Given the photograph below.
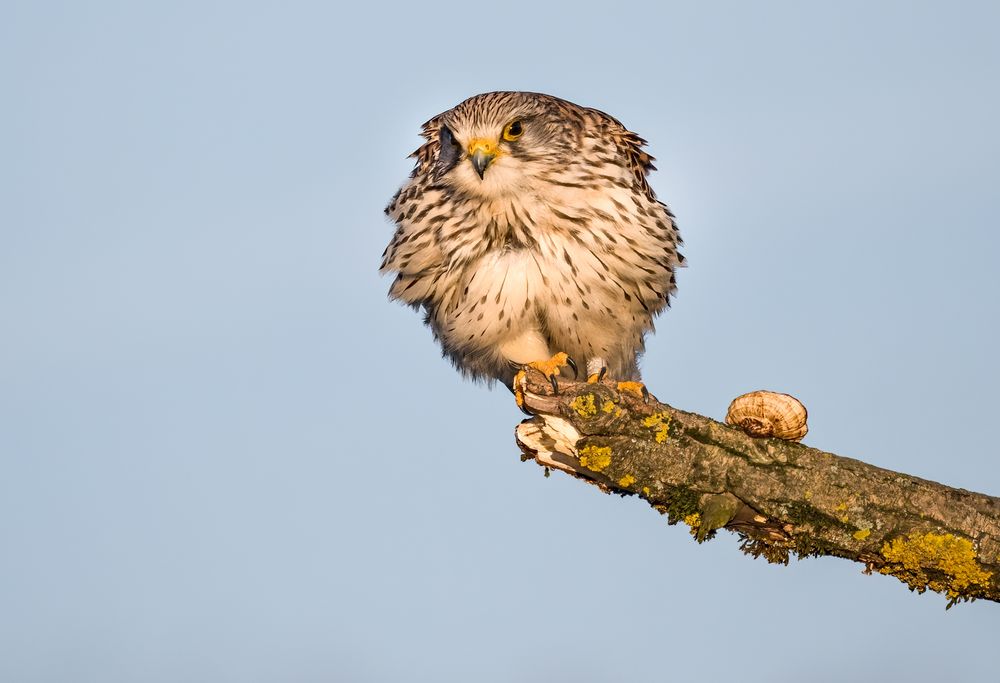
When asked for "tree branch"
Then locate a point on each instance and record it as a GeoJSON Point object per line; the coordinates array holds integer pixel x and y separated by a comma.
{"type": "Point", "coordinates": [781, 497]}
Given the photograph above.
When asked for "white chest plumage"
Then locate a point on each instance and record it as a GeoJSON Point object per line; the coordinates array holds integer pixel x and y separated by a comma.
{"type": "Point", "coordinates": [574, 279]}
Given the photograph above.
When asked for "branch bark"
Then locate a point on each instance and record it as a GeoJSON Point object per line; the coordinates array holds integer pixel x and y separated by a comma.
{"type": "Point", "coordinates": [781, 497]}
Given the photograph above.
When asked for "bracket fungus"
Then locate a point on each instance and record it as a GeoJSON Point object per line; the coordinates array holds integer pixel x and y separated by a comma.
{"type": "Point", "coordinates": [767, 413]}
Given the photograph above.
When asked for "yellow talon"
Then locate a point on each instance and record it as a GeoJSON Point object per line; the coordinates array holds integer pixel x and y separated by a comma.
{"type": "Point", "coordinates": [549, 368]}
{"type": "Point", "coordinates": [637, 388]}
{"type": "Point", "coordinates": [518, 388]}
{"type": "Point", "coordinates": [594, 379]}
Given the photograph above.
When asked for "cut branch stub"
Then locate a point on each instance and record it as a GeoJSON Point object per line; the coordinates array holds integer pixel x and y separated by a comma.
{"type": "Point", "coordinates": [782, 497]}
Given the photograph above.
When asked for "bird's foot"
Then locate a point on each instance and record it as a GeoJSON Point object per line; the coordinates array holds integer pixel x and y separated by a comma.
{"type": "Point", "coordinates": [550, 368]}
{"type": "Point", "coordinates": [596, 369]}
{"type": "Point", "coordinates": [637, 388]}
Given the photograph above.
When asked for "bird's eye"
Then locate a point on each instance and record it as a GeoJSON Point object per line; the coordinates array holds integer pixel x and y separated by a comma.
{"type": "Point", "coordinates": [512, 131]}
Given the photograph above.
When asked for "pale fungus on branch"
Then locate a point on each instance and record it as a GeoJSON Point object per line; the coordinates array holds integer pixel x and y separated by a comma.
{"type": "Point", "coordinates": [768, 413]}
{"type": "Point", "coordinates": [782, 498]}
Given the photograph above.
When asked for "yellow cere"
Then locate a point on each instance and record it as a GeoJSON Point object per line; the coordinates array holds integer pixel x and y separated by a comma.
{"type": "Point", "coordinates": [660, 423]}
{"type": "Point", "coordinates": [949, 554]}
{"type": "Point", "coordinates": [595, 458]}
{"type": "Point", "coordinates": [482, 145]}
{"type": "Point", "coordinates": [627, 480]}
{"type": "Point", "coordinates": [584, 405]}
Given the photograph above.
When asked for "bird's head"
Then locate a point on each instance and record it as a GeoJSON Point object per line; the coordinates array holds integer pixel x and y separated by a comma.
{"type": "Point", "coordinates": [502, 143]}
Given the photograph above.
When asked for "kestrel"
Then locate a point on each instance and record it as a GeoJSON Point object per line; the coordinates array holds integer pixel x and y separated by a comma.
{"type": "Point", "coordinates": [528, 228]}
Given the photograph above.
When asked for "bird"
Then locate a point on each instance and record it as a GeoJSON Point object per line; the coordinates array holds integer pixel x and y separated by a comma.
{"type": "Point", "coordinates": [528, 235]}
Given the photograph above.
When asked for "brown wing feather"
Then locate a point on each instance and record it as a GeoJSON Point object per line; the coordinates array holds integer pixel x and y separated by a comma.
{"type": "Point", "coordinates": [630, 145]}
{"type": "Point", "coordinates": [427, 152]}
{"type": "Point", "coordinates": [639, 160]}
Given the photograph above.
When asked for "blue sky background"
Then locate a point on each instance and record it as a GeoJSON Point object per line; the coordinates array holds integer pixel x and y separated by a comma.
{"type": "Point", "coordinates": [224, 456]}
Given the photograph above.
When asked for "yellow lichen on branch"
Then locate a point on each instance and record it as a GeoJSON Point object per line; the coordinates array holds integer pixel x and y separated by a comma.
{"type": "Point", "coordinates": [595, 458]}
{"type": "Point", "coordinates": [781, 497]}
{"type": "Point", "coordinates": [660, 424]}
{"type": "Point", "coordinates": [584, 405]}
{"type": "Point", "coordinates": [912, 557]}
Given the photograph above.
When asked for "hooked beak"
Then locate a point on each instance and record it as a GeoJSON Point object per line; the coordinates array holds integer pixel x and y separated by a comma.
{"type": "Point", "coordinates": [481, 154]}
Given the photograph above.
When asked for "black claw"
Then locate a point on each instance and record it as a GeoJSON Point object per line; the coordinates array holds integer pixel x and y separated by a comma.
{"type": "Point", "coordinates": [572, 363]}
{"type": "Point", "coordinates": [554, 383]}
{"type": "Point", "coordinates": [602, 373]}
{"type": "Point", "coordinates": [645, 394]}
